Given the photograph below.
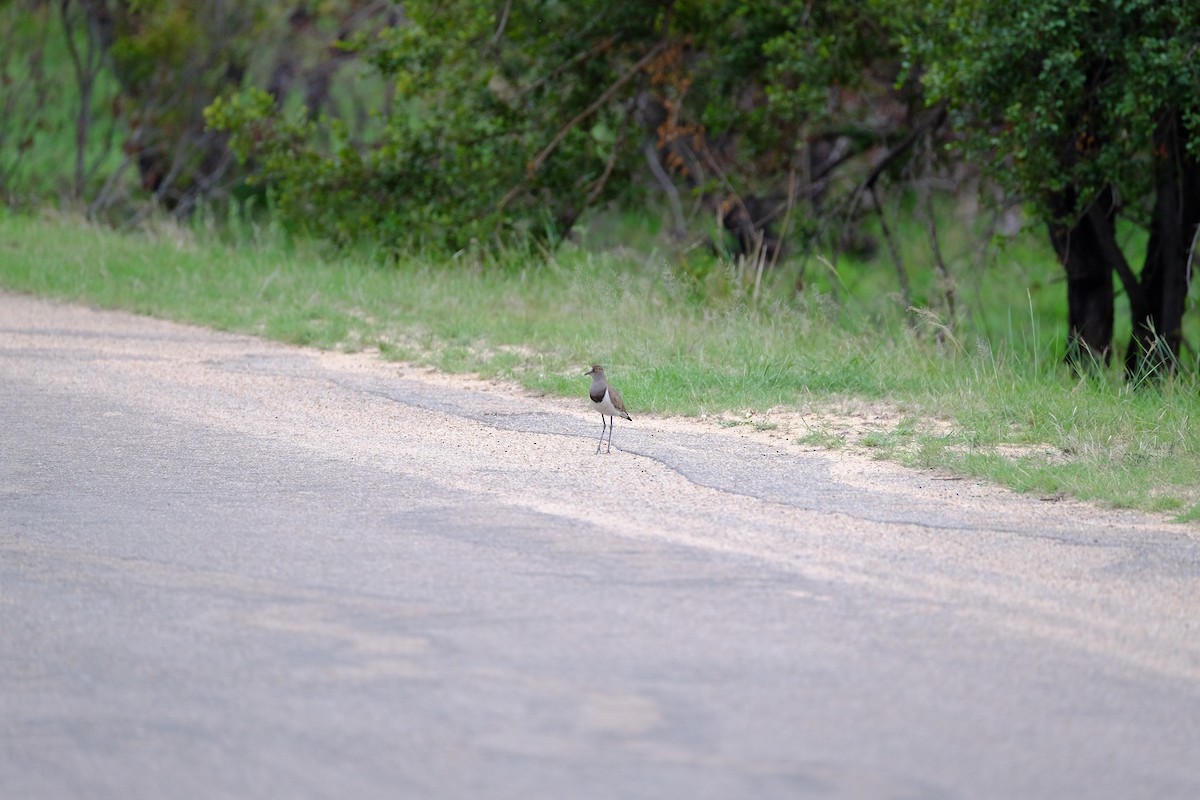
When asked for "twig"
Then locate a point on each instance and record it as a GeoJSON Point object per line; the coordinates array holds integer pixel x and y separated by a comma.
{"type": "Point", "coordinates": [939, 263]}
{"type": "Point", "coordinates": [894, 250]}
{"type": "Point", "coordinates": [725, 182]}
{"type": "Point", "coordinates": [1187, 274]}
{"type": "Point", "coordinates": [787, 213]}
{"type": "Point", "coordinates": [595, 106]}
{"type": "Point", "coordinates": [569, 221]}
{"type": "Point", "coordinates": [931, 123]}
{"type": "Point", "coordinates": [759, 261]}
{"type": "Point", "coordinates": [599, 47]}
{"type": "Point", "coordinates": [86, 66]}
{"type": "Point", "coordinates": [609, 165]}
{"type": "Point", "coordinates": [668, 186]}
{"type": "Point", "coordinates": [503, 22]}
{"type": "Point", "coordinates": [852, 203]}
{"type": "Point", "coordinates": [103, 198]}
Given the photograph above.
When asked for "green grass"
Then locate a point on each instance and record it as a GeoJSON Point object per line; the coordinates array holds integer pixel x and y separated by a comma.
{"type": "Point", "coordinates": [987, 398]}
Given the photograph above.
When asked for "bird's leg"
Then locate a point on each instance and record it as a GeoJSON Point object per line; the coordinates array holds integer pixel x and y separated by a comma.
{"type": "Point", "coordinates": [611, 421]}
{"type": "Point", "coordinates": [603, 424]}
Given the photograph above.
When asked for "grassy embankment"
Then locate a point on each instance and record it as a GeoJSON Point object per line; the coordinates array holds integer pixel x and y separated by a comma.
{"type": "Point", "coordinates": [990, 398]}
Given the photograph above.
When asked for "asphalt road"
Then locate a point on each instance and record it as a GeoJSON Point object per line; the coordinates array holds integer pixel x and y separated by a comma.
{"type": "Point", "coordinates": [233, 569]}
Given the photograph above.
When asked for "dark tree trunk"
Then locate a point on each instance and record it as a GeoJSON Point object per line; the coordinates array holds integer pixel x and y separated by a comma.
{"type": "Point", "coordinates": [1158, 322]}
{"type": "Point", "coordinates": [1083, 247]}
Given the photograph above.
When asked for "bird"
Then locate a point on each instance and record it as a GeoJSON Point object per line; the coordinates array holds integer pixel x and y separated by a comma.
{"type": "Point", "coordinates": [607, 400]}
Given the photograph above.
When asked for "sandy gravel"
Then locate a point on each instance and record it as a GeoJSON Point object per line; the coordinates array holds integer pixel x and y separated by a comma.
{"type": "Point", "coordinates": [194, 361]}
{"type": "Point", "coordinates": [1117, 582]}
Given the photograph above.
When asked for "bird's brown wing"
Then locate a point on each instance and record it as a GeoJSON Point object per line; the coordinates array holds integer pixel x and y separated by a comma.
{"type": "Point", "coordinates": [615, 397]}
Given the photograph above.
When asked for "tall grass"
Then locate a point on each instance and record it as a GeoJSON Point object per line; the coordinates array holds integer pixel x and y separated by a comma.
{"type": "Point", "coordinates": [987, 395]}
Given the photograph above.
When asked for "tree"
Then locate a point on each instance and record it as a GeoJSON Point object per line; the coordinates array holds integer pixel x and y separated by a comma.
{"type": "Point", "coordinates": [495, 120]}
{"type": "Point", "coordinates": [1091, 110]}
{"type": "Point", "coordinates": [145, 70]}
{"type": "Point", "coordinates": [512, 118]}
{"type": "Point", "coordinates": [27, 86]}
{"type": "Point", "coordinates": [169, 58]}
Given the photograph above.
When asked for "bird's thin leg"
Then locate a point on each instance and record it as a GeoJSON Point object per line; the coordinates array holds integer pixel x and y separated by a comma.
{"type": "Point", "coordinates": [603, 424]}
{"type": "Point", "coordinates": [611, 421]}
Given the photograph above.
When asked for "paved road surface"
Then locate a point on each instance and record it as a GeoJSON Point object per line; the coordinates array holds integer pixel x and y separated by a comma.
{"type": "Point", "coordinates": [235, 569]}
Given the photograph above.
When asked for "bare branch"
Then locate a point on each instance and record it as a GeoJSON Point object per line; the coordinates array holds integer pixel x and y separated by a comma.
{"type": "Point", "coordinates": [787, 214]}
{"type": "Point", "coordinates": [609, 165]}
{"type": "Point", "coordinates": [939, 263]}
{"type": "Point", "coordinates": [668, 186]}
{"type": "Point", "coordinates": [86, 65]}
{"type": "Point", "coordinates": [894, 250]}
{"type": "Point", "coordinates": [502, 24]}
{"type": "Point", "coordinates": [595, 106]}
{"type": "Point", "coordinates": [931, 123]}
{"type": "Point", "coordinates": [593, 51]}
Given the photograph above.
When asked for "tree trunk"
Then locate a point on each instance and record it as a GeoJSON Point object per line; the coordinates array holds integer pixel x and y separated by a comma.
{"type": "Point", "coordinates": [1157, 325]}
{"type": "Point", "coordinates": [1083, 249]}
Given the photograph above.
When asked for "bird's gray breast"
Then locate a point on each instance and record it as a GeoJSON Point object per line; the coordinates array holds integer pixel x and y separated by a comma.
{"type": "Point", "coordinates": [597, 393]}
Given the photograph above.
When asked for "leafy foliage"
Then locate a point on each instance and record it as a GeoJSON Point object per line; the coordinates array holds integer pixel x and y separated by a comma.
{"type": "Point", "coordinates": [169, 59]}
{"type": "Point", "coordinates": [455, 136]}
{"type": "Point", "coordinates": [1061, 93]}
{"type": "Point", "coordinates": [513, 118]}
{"type": "Point", "coordinates": [28, 84]}
{"type": "Point", "coordinates": [1091, 110]}
{"type": "Point", "coordinates": [454, 124]}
